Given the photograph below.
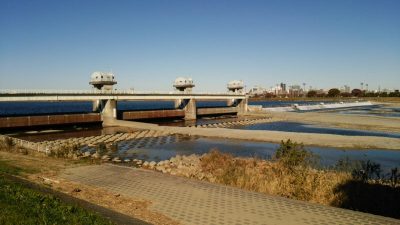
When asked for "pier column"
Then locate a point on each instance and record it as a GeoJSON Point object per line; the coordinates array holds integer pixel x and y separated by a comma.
{"type": "Point", "coordinates": [190, 109]}
{"type": "Point", "coordinates": [178, 104]}
{"type": "Point", "coordinates": [230, 102]}
{"type": "Point", "coordinates": [97, 106]}
{"type": "Point", "coordinates": [242, 106]}
{"type": "Point", "coordinates": [109, 110]}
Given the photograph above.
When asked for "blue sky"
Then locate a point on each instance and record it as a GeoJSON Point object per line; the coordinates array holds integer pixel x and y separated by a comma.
{"type": "Point", "coordinates": [147, 44]}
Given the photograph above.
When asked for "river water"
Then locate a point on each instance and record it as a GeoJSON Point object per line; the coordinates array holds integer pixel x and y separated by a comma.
{"type": "Point", "coordinates": [199, 145]}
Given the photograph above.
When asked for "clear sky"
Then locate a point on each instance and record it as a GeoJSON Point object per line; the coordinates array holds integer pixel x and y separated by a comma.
{"type": "Point", "coordinates": [147, 44]}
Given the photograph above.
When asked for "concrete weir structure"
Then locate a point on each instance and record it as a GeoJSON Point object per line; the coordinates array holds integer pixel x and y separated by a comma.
{"type": "Point", "coordinates": [105, 99]}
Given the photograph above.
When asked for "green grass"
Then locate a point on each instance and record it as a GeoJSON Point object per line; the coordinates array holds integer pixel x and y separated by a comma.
{"type": "Point", "coordinates": [22, 205]}
{"type": "Point", "coordinates": [6, 167]}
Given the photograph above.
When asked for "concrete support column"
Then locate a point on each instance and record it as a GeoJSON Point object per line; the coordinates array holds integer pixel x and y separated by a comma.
{"type": "Point", "coordinates": [178, 104]}
{"type": "Point", "coordinates": [230, 102]}
{"type": "Point", "coordinates": [109, 110]}
{"type": "Point", "coordinates": [190, 109]}
{"type": "Point", "coordinates": [242, 106]}
{"type": "Point", "coordinates": [97, 106]}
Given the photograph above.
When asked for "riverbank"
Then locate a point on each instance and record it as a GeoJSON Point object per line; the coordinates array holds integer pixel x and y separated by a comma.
{"type": "Point", "coordinates": [291, 175]}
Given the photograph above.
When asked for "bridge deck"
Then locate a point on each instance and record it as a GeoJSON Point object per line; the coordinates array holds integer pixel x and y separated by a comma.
{"type": "Point", "coordinates": [9, 97]}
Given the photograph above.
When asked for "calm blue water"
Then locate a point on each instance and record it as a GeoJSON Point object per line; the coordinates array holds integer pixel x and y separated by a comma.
{"type": "Point", "coordinates": [31, 108]}
{"type": "Point", "coordinates": [372, 111]}
{"type": "Point", "coordinates": [328, 156]}
{"type": "Point", "coordinates": [307, 128]}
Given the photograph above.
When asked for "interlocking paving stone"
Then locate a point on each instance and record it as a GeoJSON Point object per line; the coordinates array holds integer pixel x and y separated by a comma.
{"type": "Point", "coordinates": [196, 202]}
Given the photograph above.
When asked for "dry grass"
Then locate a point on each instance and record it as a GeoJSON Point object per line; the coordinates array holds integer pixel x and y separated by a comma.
{"type": "Point", "coordinates": [276, 178]}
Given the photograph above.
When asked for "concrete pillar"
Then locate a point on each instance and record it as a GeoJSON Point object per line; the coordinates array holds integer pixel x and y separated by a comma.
{"type": "Point", "coordinates": [97, 106]}
{"type": "Point", "coordinates": [242, 106]}
{"type": "Point", "coordinates": [178, 104]}
{"type": "Point", "coordinates": [190, 109]}
{"type": "Point", "coordinates": [109, 110]}
{"type": "Point", "coordinates": [230, 102]}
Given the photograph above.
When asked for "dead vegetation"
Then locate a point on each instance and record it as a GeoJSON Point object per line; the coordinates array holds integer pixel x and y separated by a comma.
{"type": "Point", "coordinates": [293, 173]}
{"type": "Point", "coordinates": [286, 177]}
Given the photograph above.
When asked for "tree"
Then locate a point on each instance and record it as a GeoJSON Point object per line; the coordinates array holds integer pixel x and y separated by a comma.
{"type": "Point", "coordinates": [345, 94]}
{"type": "Point", "coordinates": [334, 92]}
{"type": "Point", "coordinates": [312, 94]}
{"type": "Point", "coordinates": [383, 94]}
{"type": "Point", "coordinates": [357, 92]}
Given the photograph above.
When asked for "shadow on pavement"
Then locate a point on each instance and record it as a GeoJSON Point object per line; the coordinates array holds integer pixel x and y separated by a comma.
{"type": "Point", "coordinates": [377, 199]}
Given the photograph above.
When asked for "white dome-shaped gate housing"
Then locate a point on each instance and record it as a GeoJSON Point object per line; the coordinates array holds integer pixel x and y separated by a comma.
{"type": "Point", "coordinates": [183, 84]}
{"type": "Point", "coordinates": [102, 80]}
{"type": "Point", "coordinates": [235, 86]}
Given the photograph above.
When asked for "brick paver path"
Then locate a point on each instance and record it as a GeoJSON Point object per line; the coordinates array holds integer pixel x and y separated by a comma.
{"type": "Point", "coordinates": [195, 202]}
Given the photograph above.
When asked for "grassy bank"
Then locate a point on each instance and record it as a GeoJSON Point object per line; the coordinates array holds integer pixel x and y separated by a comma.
{"type": "Point", "coordinates": [20, 204]}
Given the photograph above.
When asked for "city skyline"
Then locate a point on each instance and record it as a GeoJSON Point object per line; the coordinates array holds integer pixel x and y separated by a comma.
{"type": "Point", "coordinates": [57, 45]}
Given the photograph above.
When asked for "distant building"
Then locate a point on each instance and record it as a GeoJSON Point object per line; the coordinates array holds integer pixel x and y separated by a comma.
{"type": "Point", "coordinates": [283, 87]}
{"type": "Point", "coordinates": [295, 90]}
{"type": "Point", "coordinates": [257, 90]}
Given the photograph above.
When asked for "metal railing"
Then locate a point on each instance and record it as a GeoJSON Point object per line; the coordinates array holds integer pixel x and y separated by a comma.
{"type": "Point", "coordinates": [112, 92]}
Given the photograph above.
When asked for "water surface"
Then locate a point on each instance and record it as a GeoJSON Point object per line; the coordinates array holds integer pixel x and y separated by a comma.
{"type": "Point", "coordinates": [309, 128]}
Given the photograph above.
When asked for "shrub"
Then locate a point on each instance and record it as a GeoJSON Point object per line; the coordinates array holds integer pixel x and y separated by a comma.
{"type": "Point", "coordinates": [292, 154]}
{"type": "Point", "coordinates": [8, 144]}
{"type": "Point", "coordinates": [394, 177]}
{"type": "Point", "coordinates": [369, 170]}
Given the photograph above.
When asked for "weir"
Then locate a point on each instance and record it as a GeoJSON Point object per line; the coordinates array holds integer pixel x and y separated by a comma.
{"type": "Point", "coordinates": [105, 100]}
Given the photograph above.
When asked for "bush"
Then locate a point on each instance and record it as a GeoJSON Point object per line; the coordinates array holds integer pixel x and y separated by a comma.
{"type": "Point", "coordinates": [8, 144]}
{"type": "Point", "coordinates": [369, 170]}
{"type": "Point", "coordinates": [292, 154]}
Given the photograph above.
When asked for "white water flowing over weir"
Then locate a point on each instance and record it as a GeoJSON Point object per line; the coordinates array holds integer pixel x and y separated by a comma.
{"type": "Point", "coordinates": [296, 107]}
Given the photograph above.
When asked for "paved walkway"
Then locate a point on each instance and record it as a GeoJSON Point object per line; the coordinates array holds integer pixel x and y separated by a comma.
{"type": "Point", "coordinates": [195, 202]}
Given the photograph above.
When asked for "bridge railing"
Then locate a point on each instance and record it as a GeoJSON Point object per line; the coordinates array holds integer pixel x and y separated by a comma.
{"type": "Point", "coordinates": [114, 92]}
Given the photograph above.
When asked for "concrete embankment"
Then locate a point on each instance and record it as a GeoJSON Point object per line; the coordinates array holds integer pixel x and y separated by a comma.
{"type": "Point", "coordinates": [327, 140]}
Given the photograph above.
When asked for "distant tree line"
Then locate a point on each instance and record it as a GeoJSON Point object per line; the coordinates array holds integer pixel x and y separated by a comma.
{"type": "Point", "coordinates": [334, 92]}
